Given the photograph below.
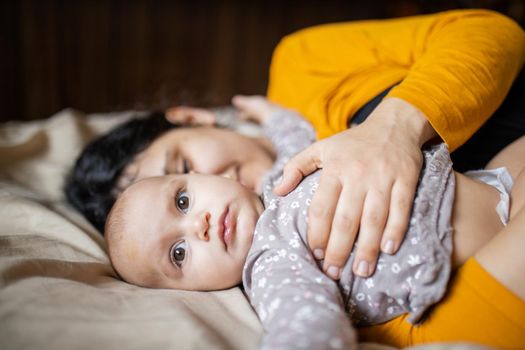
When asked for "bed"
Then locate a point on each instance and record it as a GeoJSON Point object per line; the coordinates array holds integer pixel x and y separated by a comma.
{"type": "Point", "coordinates": [57, 288]}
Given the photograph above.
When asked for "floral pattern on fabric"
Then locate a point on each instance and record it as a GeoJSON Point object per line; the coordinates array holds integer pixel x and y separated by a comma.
{"type": "Point", "coordinates": [286, 285]}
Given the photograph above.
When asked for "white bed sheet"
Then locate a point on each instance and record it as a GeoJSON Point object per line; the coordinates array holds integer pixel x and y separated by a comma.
{"type": "Point", "coordinates": [57, 288]}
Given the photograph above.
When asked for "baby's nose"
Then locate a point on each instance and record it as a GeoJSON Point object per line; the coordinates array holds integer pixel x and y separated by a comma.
{"type": "Point", "coordinates": [202, 225]}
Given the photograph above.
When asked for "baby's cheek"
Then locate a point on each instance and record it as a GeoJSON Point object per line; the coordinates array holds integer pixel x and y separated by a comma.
{"type": "Point", "coordinates": [234, 275]}
{"type": "Point", "coordinates": [231, 274]}
{"type": "Point", "coordinates": [130, 251]}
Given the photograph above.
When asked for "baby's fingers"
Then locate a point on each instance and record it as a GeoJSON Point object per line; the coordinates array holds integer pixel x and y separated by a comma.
{"type": "Point", "coordinates": [190, 115]}
{"type": "Point", "coordinates": [256, 108]}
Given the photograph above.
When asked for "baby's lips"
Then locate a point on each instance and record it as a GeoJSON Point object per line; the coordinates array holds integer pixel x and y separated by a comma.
{"type": "Point", "coordinates": [221, 227]}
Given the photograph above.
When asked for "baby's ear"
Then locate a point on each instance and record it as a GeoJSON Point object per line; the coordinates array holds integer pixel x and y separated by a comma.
{"type": "Point", "coordinates": [190, 116]}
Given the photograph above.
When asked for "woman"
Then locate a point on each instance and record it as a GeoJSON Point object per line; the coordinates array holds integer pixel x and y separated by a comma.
{"type": "Point", "coordinates": [195, 232]}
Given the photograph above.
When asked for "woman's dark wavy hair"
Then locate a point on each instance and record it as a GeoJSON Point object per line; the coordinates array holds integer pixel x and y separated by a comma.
{"type": "Point", "coordinates": [90, 185]}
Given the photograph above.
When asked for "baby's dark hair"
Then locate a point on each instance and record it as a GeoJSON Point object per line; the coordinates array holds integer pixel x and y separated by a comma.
{"type": "Point", "coordinates": [90, 187]}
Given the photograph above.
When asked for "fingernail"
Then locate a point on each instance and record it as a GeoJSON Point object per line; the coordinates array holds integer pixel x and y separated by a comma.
{"type": "Point", "coordinates": [362, 268]}
{"type": "Point", "coordinates": [389, 247]}
{"type": "Point", "coordinates": [333, 271]}
{"type": "Point", "coordinates": [319, 254]}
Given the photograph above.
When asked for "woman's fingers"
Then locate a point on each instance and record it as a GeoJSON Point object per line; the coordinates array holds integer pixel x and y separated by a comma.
{"type": "Point", "coordinates": [373, 220]}
{"type": "Point", "coordinates": [321, 212]}
{"type": "Point", "coordinates": [298, 167]}
{"type": "Point", "coordinates": [343, 232]}
{"type": "Point", "coordinates": [397, 222]}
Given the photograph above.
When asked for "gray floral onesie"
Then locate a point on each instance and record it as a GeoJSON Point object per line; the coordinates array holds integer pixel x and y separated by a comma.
{"type": "Point", "coordinates": [298, 305]}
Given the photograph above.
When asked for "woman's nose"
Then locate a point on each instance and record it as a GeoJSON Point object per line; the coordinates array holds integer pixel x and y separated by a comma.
{"type": "Point", "coordinates": [201, 225]}
{"type": "Point", "coordinates": [230, 173]}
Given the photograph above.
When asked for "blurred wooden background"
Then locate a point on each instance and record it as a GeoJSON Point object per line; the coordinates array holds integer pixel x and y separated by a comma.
{"type": "Point", "coordinates": [106, 55]}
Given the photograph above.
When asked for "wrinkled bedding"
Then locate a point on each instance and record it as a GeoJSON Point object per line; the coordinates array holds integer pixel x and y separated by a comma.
{"type": "Point", "coordinates": [57, 288]}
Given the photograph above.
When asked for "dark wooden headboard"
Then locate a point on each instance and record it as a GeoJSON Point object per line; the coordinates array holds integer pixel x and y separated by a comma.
{"type": "Point", "coordinates": [104, 55]}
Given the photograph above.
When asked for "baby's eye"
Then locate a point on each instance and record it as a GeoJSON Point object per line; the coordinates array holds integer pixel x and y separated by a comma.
{"type": "Point", "coordinates": [178, 253]}
{"type": "Point", "coordinates": [182, 201]}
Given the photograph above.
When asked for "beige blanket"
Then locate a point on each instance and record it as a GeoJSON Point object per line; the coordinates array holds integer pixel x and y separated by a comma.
{"type": "Point", "coordinates": [57, 288]}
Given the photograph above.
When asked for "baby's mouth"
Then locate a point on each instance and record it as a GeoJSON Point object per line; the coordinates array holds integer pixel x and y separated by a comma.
{"type": "Point", "coordinates": [221, 226]}
{"type": "Point", "coordinates": [229, 228]}
{"type": "Point", "coordinates": [226, 227]}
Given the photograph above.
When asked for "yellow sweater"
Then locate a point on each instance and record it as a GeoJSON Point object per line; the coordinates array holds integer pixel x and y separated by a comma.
{"type": "Point", "coordinates": [456, 67]}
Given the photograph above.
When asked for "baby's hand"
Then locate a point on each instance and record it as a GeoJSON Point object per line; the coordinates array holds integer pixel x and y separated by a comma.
{"type": "Point", "coordinates": [255, 108]}
{"type": "Point", "coordinates": [190, 115]}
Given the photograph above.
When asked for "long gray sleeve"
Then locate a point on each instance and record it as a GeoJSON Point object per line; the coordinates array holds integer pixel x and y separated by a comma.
{"type": "Point", "coordinates": [298, 305]}
{"type": "Point", "coordinates": [289, 133]}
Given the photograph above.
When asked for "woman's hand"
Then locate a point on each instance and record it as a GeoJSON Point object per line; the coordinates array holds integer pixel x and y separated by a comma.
{"type": "Point", "coordinates": [369, 179]}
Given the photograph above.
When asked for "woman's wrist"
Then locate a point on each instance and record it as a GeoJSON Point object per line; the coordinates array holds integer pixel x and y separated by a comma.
{"type": "Point", "coordinates": [404, 116]}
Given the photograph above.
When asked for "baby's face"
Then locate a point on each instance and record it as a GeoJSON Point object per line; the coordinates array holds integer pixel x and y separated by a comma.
{"type": "Point", "coordinates": [189, 232]}
{"type": "Point", "coordinates": [204, 150]}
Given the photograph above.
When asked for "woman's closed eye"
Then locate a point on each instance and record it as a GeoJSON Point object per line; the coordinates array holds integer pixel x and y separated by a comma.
{"type": "Point", "coordinates": [176, 165]}
{"type": "Point", "coordinates": [186, 168]}
{"type": "Point", "coordinates": [178, 253]}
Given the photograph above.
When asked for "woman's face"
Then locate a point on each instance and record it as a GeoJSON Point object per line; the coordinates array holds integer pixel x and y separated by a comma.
{"type": "Point", "coordinates": [204, 150]}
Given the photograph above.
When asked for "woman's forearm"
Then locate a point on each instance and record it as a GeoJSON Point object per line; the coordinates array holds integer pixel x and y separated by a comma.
{"type": "Point", "coordinates": [399, 114]}
{"type": "Point", "coordinates": [455, 67]}
{"type": "Point", "coordinates": [469, 63]}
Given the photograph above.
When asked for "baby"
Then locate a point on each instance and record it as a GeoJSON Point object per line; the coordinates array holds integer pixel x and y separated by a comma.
{"type": "Point", "coordinates": [208, 232]}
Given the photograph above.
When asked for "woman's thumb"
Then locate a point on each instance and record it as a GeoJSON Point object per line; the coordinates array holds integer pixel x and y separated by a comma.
{"type": "Point", "coordinates": [300, 166]}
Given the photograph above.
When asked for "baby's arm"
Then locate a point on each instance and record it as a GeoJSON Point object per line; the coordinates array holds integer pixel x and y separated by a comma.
{"type": "Point", "coordinates": [289, 133]}
{"type": "Point", "coordinates": [286, 129]}
{"type": "Point", "coordinates": [298, 305]}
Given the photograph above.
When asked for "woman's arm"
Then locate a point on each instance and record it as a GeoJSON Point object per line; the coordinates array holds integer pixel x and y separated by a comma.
{"type": "Point", "coordinates": [456, 67]}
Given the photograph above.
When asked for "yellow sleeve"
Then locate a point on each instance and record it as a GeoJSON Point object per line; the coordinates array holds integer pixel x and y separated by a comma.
{"type": "Point", "coordinates": [456, 67]}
